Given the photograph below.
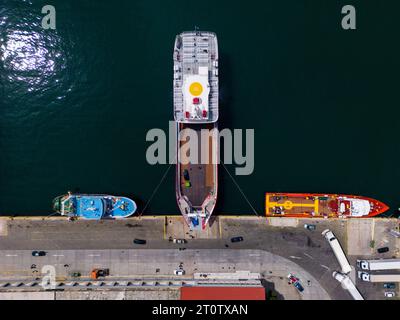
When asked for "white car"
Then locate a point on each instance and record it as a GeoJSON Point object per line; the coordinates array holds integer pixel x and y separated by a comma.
{"type": "Point", "coordinates": [389, 294]}
{"type": "Point", "coordinates": [179, 272]}
{"type": "Point", "coordinates": [179, 241]}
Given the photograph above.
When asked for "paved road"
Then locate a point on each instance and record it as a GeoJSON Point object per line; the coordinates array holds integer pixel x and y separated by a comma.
{"type": "Point", "coordinates": [159, 263]}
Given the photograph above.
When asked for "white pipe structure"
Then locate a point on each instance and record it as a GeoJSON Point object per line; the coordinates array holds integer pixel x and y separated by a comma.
{"type": "Point", "coordinates": [337, 250]}
{"type": "Point", "coordinates": [347, 284]}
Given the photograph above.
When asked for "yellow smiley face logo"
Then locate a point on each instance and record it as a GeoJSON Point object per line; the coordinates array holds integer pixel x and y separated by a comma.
{"type": "Point", "coordinates": [196, 89]}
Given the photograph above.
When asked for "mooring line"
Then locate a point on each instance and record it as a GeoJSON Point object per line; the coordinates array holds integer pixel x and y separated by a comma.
{"type": "Point", "coordinates": [52, 214]}
{"type": "Point", "coordinates": [156, 189]}
{"type": "Point", "coordinates": [237, 185]}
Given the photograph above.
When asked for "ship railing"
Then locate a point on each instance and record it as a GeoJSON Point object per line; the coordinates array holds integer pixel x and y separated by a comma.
{"type": "Point", "coordinates": [203, 61]}
{"type": "Point", "coordinates": [203, 44]}
{"type": "Point", "coordinates": [214, 89]}
{"type": "Point", "coordinates": [189, 51]}
{"type": "Point", "coordinates": [213, 105]}
{"type": "Point", "coordinates": [213, 92]}
{"type": "Point", "coordinates": [189, 56]}
{"type": "Point", "coordinates": [203, 54]}
{"type": "Point", "coordinates": [203, 49]}
{"type": "Point", "coordinates": [178, 109]}
{"type": "Point", "coordinates": [179, 112]}
{"type": "Point", "coordinates": [177, 85]}
{"type": "Point", "coordinates": [188, 44]}
{"type": "Point", "coordinates": [189, 64]}
{"type": "Point", "coordinates": [178, 99]}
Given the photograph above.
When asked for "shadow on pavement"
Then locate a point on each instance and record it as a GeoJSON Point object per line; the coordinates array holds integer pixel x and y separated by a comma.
{"type": "Point", "coordinates": [270, 292]}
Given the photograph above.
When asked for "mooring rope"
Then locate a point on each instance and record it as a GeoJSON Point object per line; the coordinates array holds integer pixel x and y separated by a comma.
{"type": "Point", "coordinates": [241, 191]}
{"type": "Point", "coordinates": [156, 189]}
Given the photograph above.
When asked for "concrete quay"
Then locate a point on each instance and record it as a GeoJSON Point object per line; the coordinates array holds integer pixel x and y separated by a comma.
{"type": "Point", "coordinates": [83, 245]}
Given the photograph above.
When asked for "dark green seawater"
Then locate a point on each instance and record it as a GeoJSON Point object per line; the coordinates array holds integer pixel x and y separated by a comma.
{"type": "Point", "coordinates": [76, 102]}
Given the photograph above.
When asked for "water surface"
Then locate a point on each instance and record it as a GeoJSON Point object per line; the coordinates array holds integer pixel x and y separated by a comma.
{"type": "Point", "coordinates": [76, 102]}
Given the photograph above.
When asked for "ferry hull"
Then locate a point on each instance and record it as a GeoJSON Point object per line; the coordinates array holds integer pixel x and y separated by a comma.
{"type": "Point", "coordinates": [196, 108]}
{"type": "Point", "coordinates": [317, 205]}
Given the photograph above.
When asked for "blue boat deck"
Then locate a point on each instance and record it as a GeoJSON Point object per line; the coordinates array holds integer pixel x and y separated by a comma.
{"type": "Point", "coordinates": [121, 208]}
{"type": "Point", "coordinates": [96, 207]}
{"type": "Point", "coordinates": [90, 207]}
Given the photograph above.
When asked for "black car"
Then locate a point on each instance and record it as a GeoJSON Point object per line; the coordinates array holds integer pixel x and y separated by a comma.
{"type": "Point", "coordinates": [389, 285]}
{"type": "Point", "coordinates": [310, 227]}
{"type": "Point", "coordinates": [383, 250]}
{"type": "Point", "coordinates": [38, 253]}
{"type": "Point", "coordinates": [186, 175]}
{"type": "Point", "coordinates": [139, 241]}
{"type": "Point", "coordinates": [236, 239]}
{"type": "Point", "coordinates": [103, 272]}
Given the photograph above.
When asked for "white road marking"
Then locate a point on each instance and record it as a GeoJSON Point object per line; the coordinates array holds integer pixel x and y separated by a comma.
{"type": "Point", "coordinates": [11, 255]}
{"type": "Point", "coordinates": [307, 255]}
{"type": "Point", "coordinates": [294, 257]}
{"type": "Point", "coordinates": [94, 255]}
{"type": "Point", "coordinates": [254, 255]}
{"type": "Point", "coordinates": [58, 255]}
{"type": "Point", "coordinates": [324, 266]}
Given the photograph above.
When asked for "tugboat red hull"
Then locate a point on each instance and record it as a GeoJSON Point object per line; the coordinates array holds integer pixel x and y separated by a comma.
{"type": "Point", "coordinates": [317, 205]}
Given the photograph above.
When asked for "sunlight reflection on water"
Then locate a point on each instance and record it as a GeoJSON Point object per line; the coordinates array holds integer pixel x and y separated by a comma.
{"type": "Point", "coordinates": [28, 53]}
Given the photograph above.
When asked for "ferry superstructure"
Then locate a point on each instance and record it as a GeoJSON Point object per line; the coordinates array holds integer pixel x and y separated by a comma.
{"type": "Point", "coordinates": [196, 77]}
{"type": "Point", "coordinates": [196, 109]}
{"type": "Point", "coordinates": [317, 205]}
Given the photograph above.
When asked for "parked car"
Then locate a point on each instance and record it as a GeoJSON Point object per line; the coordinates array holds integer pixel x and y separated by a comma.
{"type": "Point", "coordinates": [181, 249]}
{"type": "Point", "coordinates": [390, 294]}
{"type": "Point", "coordinates": [37, 253]}
{"type": "Point", "coordinates": [296, 282]}
{"type": "Point", "coordinates": [383, 250]}
{"type": "Point", "coordinates": [186, 175]}
{"type": "Point", "coordinates": [298, 286]}
{"type": "Point", "coordinates": [179, 272]}
{"type": "Point", "coordinates": [389, 285]}
{"type": "Point", "coordinates": [179, 241]}
{"type": "Point", "coordinates": [292, 278]}
{"type": "Point", "coordinates": [236, 239]}
{"type": "Point", "coordinates": [310, 227]}
{"type": "Point", "coordinates": [139, 241]}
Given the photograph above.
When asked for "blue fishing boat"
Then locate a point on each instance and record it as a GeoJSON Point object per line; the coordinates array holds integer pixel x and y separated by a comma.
{"type": "Point", "coordinates": [94, 207]}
